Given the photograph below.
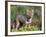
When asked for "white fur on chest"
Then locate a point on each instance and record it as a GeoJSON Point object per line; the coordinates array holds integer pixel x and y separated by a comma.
{"type": "Point", "coordinates": [30, 20]}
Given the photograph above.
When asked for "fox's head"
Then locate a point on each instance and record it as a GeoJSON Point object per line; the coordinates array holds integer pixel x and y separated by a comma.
{"type": "Point", "coordinates": [29, 12]}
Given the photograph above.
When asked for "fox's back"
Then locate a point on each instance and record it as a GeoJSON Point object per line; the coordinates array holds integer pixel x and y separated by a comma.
{"type": "Point", "coordinates": [21, 18]}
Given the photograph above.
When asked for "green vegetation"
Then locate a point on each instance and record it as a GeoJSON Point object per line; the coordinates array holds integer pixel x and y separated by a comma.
{"type": "Point", "coordinates": [36, 21]}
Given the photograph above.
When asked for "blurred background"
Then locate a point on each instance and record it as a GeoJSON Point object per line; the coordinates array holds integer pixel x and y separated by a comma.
{"type": "Point", "coordinates": [36, 24]}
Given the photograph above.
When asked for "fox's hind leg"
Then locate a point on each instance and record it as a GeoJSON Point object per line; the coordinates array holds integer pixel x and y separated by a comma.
{"type": "Point", "coordinates": [17, 24]}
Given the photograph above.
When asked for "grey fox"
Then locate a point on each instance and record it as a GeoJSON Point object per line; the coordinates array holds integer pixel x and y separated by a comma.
{"type": "Point", "coordinates": [23, 19]}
